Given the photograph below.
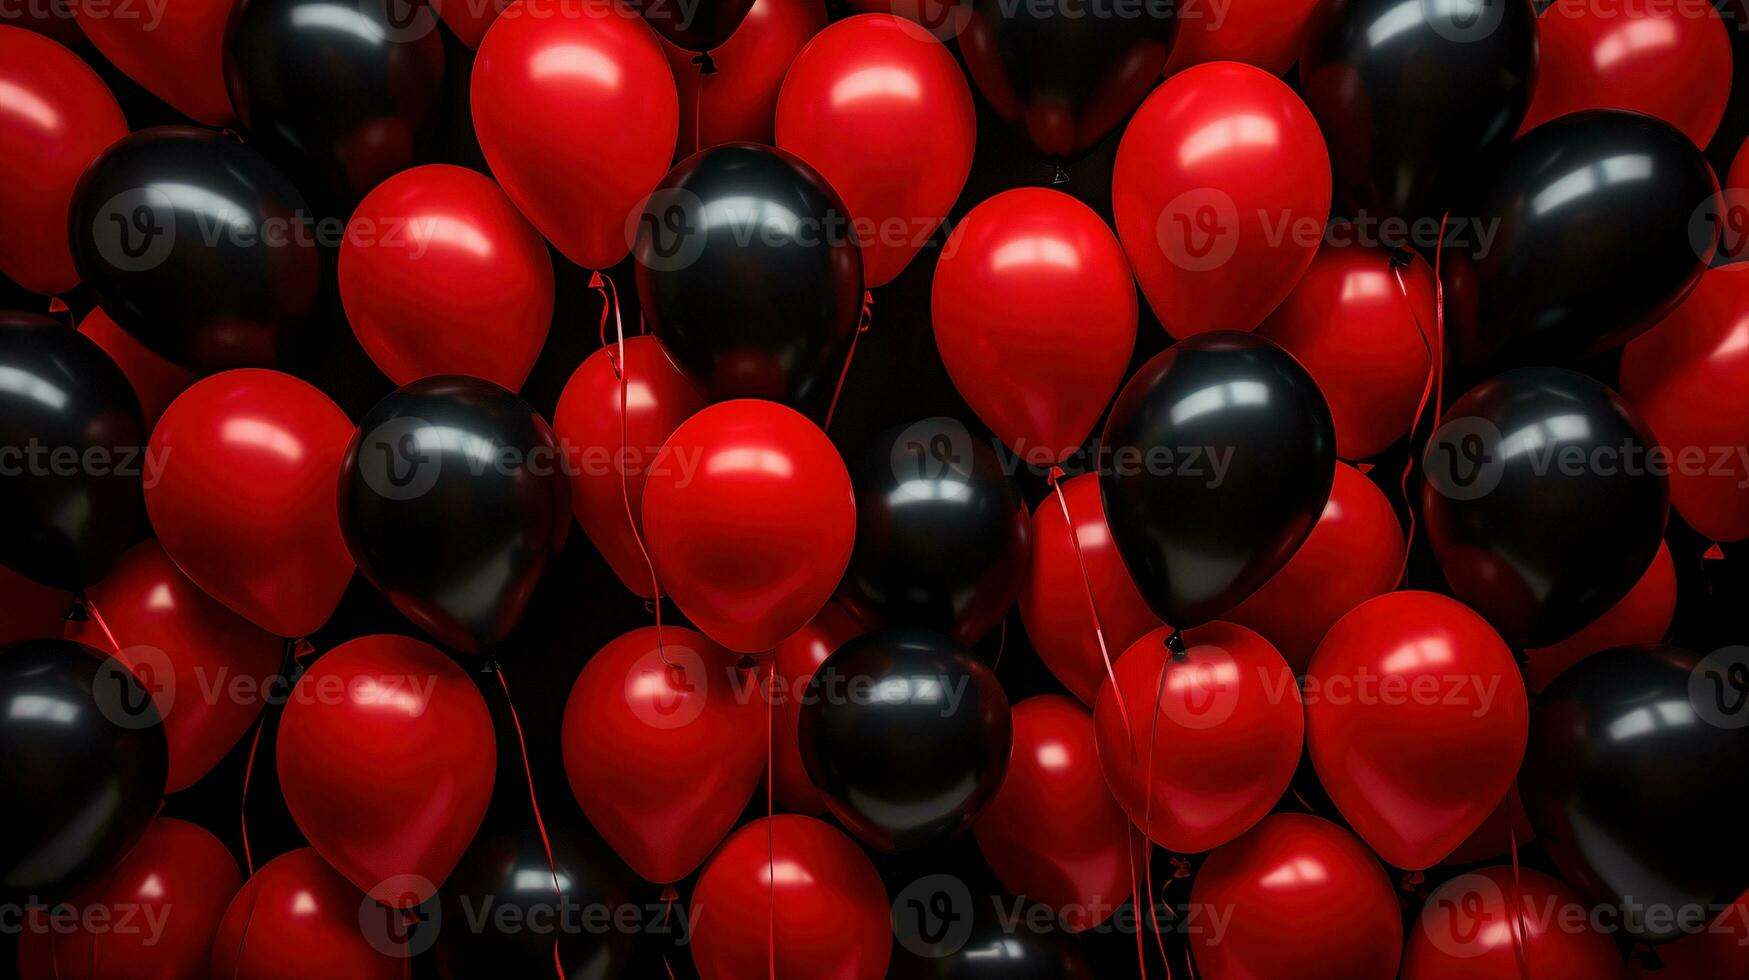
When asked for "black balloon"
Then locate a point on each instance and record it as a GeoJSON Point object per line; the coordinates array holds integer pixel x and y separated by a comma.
{"type": "Point", "coordinates": [749, 271]}
{"type": "Point", "coordinates": [198, 246]}
{"type": "Point", "coordinates": [71, 453]}
{"type": "Point", "coordinates": [1636, 779]}
{"type": "Point", "coordinates": [85, 767]}
{"type": "Point", "coordinates": [941, 533]}
{"type": "Point", "coordinates": [949, 943]}
{"type": "Point", "coordinates": [1598, 216]}
{"type": "Point", "coordinates": [1544, 503]}
{"type": "Point", "coordinates": [1415, 96]}
{"type": "Point", "coordinates": [345, 93]}
{"type": "Point", "coordinates": [1216, 462]}
{"type": "Point", "coordinates": [454, 499]}
{"type": "Point", "coordinates": [696, 25]}
{"type": "Point", "coordinates": [906, 736]}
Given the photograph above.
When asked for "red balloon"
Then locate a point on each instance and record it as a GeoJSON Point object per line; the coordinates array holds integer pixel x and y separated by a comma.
{"type": "Point", "coordinates": [469, 19]}
{"type": "Point", "coordinates": [663, 745]}
{"type": "Point", "coordinates": [1689, 378]}
{"type": "Point", "coordinates": [751, 529]}
{"type": "Point", "coordinates": [1303, 900]}
{"type": "Point", "coordinates": [1505, 827]}
{"type": "Point", "coordinates": [1265, 33]}
{"type": "Point", "coordinates": [1642, 616]}
{"type": "Point", "coordinates": [1367, 345]}
{"type": "Point", "coordinates": [1221, 191]}
{"type": "Point", "coordinates": [240, 484]}
{"type": "Point", "coordinates": [53, 20]}
{"type": "Point", "coordinates": [1222, 728]}
{"type": "Point", "coordinates": [206, 667]}
{"type": "Point", "coordinates": [1642, 57]}
{"type": "Point", "coordinates": [796, 886]}
{"type": "Point", "coordinates": [1475, 927]}
{"type": "Point", "coordinates": [796, 659]}
{"type": "Point", "coordinates": [1721, 951]}
{"type": "Point", "coordinates": [30, 610]}
{"type": "Point", "coordinates": [1416, 719]}
{"type": "Point", "coordinates": [155, 380]}
{"type": "Point", "coordinates": [176, 50]}
{"type": "Point", "coordinates": [1354, 552]}
{"type": "Point", "coordinates": [1035, 318]}
{"type": "Point", "coordinates": [880, 108]}
{"type": "Point", "coordinates": [55, 118]}
{"type": "Point", "coordinates": [431, 255]}
{"type": "Point", "coordinates": [298, 918]}
{"type": "Point", "coordinates": [576, 114]}
{"type": "Point", "coordinates": [1053, 832]}
{"type": "Point", "coordinates": [738, 102]}
{"type": "Point", "coordinates": [386, 760]}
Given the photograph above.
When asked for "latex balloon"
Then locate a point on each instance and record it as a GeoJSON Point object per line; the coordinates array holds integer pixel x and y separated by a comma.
{"type": "Point", "coordinates": [977, 943]}
{"type": "Point", "coordinates": [897, 152]}
{"type": "Point", "coordinates": [1035, 318]}
{"type": "Point", "coordinates": [1593, 757]}
{"type": "Point", "coordinates": [155, 380]}
{"type": "Point", "coordinates": [698, 26]}
{"type": "Point", "coordinates": [1542, 502]}
{"type": "Point", "coordinates": [795, 660]}
{"type": "Point", "coordinates": [196, 245]}
{"type": "Point", "coordinates": [1505, 828]}
{"type": "Point", "coordinates": [1615, 257]}
{"type": "Point", "coordinates": [1721, 951]}
{"type": "Point", "coordinates": [244, 502]}
{"type": "Point", "coordinates": [1415, 722]}
{"type": "Point", "coordinates": [1378, 75]}
{"type": "Point", "coordinates": [663, 743]}
{"type": "Point", "coordinates": [1053, 597]}
{"type": "Point", "coordinates": [207, 668]}
{"type": "Point", "coordinates": [1307, 900]}
{"type": "Point", "coordinates": [617, 107]}
{"type": "Point", "coordinates": [1354, 552]}
{"type": "Point", "coordinates": [752, 535]}
{"type": "Point", "coordinates": [1064, 80]}
{"type": "Point", "coordinates": [1475, 926]}
{"type": "Point", "coordinates": [70, 449]}
{"type": "Point", "coordinates": [176, 50]}
{"type": "Point", "coordinates": [1642, 616]}
{"type": "Point", "coordinates": [906, 736]}
{"type": "Point", "coordinates": [780, 335]}
{"type": "Point", "coordinates": [1689, 379]}
{"type": "Point", "coordinates": [60, 117]}
{"type": "Point", "coordinates": [1221, 455]}
{"type": "Point", "coordinates": [468, 20]}
{"type": "Point", "coordinates": [88, 769]}
{"type": "Point", "coordinates": [1265, 33]}
{"type": "Point", "coordinates": [599, 449]}
{"type": "Point", "coordinates": [1220, 227]}
{"type": "Point", "coordinates": [454, 500]}
{"type": "Point", "coordinates": [738, 101]}
{"type": "Point", "coordinates": [1366, 339]}
{"type": "Point", "coordinates": [53, 20]}
{"type": "Point", "coordinates": [1198, 746]}
{"type": "Point", "coordinates": [297, 917]}
{"type": "Point", "coordinates": [941, 533]}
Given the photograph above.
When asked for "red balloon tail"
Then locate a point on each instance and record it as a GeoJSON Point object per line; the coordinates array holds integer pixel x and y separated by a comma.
{"type": "Point", "coordinates": [534, 803]}
{"type": "Point", "coordinates": [1714, 553]}
{"type": "Point", "coordinates": [1518, 933]}
{"type": "Point", "coordinates": [1433, 389]}
{"type": "Point", "coordinates": [1055, 480]}
{"type": "Point", "coordinates": [1148, 809]}
{"type": "Point", "coordinates": [862, 326]}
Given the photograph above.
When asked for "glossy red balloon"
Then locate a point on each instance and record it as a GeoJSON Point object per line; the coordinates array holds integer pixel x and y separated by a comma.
{"type": "Point", "coordinates": [1354, 552]}
{"type": "Point", "coordinates": [1367, 345]}
{"type": "Point", "coordinates": [1506, 826]}
{"type": "Point", "coordinates": [1211, 746]}
{"type": "Point", "coordinates": [751, 529]}
{"type": "Point", "coordinates": [297, 918]}
{"type": "Point", "coordinates": [440, 274]}
{"type": "Point", "coordinates": [1476, 926]}
{"type": "Point", "coordinates": [1642, 57]}
{"type": "Point", "coordinates": [1416, 719]}
{"type": "Point", "coordinates": [1642, 616]}
{"type": "Point", "coordinates": [575, 111]}
{"type": "Point", "coordinates": [30, 610]}
{"type": "Point", "coordinates": [56, 116]}
{"type": "Point", "coordinates": [738, 101]}
{"type": "Point", "coordinates": [1053, 833]}
{"type": "Point", "coordinates": [880, 108]}
{"type": "Point", "coordinates": [386, 760]}
{"type": "Point", "coordinates": [1265, 33]}
{"type": "Point", "coordinates": [470, 19]}
{"type": "Point", "coordinates": [796, 659]}
{"type": "Point", "coordinates": [1689, 378]}
{"type": "Point", "coordinates": [1221, 191]}
{"type": "Point", "coordinates": [155, 380]}
{"type": "Point", "coordinates": [1035, 318]}
{"type": "Point", "coordinates": [175, 49]}
{"type": "Point", "coordinates": [663, 745]}
{"type": "Point", "coordinates": [206, 667]}
{"type": "Point", "coordinates": [1303, 900]}
{"type": "Point", "coordinates": [244, 502]}
{"type": "Point", "coordinates": [796, 886]}
{"type": "Point", "coordinates": [1721, 951]}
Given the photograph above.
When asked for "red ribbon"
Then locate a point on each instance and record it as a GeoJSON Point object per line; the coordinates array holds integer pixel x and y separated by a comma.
{"type": "Point", "coordinates": [862, 325]}
{"type": "Point", "coordinates": [1435, 386]}
{"type": "Point", "coordinates": [540, 824]}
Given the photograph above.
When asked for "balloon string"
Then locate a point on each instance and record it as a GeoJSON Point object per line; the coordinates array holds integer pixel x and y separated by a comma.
{"type": "Point", "coordinates": [668, 896]}
{"type": "Point", "coordinates": [290, 666]}
{"type": "Point", "coordinates": [1433, 388]}
{"type": "Point", "coordinates": [534, 803]}
{"type": "Point", "coordinates": [1055, 481]}
{"type": "Point", "coordinates": [1001, 646]}
{"type": "Point", "coordinates": [862, 325]}
{"type": "Point", "coordinates": [1518, 946]}
{"type": "Point", "coordinates": [97, 617]}
{"type": "Point", "coordinates": [1148, 810]}
{"type": "Point", "coordinates": [770, 808]}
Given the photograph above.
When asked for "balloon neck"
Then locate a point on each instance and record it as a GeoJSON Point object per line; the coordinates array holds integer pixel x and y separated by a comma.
{"type": "Point", "coordinates": [595, 280]}
{"type": "Point", "coordinates": [1412, 881]}
{"type": "Point", "coordinates": [298, 654]}
{"type": "Point", "coordinates": [706, 66]}
{"type": "Point", "coordinates": [1647, 957]}
{"type": "Point", "coordinates": [76, 612]}
{"type": "Point", "coordinates": [1055, 476]}
{"type": "Point", "coordinates": [1059, 178]}
{"type": "Point", "coordinates": [1175, 645]}
{"type": "Point", "coordinates": [1402, 256]}
{"type": "Point", "coordinates": [1180, 867]}
{"type": "Point", "coordinates": [489, 665]}
{"type": "Point", "coordinates": [746, 662]}
{"type": "Point", "coordinates": [1714, 553]}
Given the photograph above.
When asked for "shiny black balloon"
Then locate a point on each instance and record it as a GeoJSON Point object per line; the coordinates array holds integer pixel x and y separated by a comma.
{"type": "Point", "coordinates": [696, 25]}
{"type": "Point", "coordinates": [1543, 502]}
{"type": "Point", "coordinates": [946, 942]}
{"type": "Point", "coordinates": [85, 762]}
{"type": "Point", "coordinates": [72, 452]}
{"type": "Point", "coordinates": [1216, 462]}
{"type": "Point", "coordinates": [1598, 216]}
{"type": "Point", "coordinates": [1416, 96]}
{"type": "Point", "coordinates": [749, 271]}
{"type": "Point", "coordinates": [906, 736]}
{"type": "Point", "coordinates": [198, 246]}
{"type": "Point", "coordinates": [941, 533]}
{"type": "Point", "coordinates": [454, 499]}
{"type": "Point", "coordinates": [344, 93]}
{"type": "Point", "coordinates": [1636, 779]}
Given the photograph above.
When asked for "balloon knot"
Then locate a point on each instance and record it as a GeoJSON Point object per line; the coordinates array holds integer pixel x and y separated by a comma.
{"type": "Point", "coordinates": [669, 894]}
{"type": "Point", "coordinates": [1412, 881]}
{"type": "Point", "coordinates": [1059, 178]}
{"type": "Point", "coordinates": [706, 66]}
{"type": "Point", "coordinates": [1714, 553]}
{"type": "Point", "coordinates": [595, 280]}
{"type": "Point", "coordinates": [1180, 867]}
{"type": "Point", "coordinates": [1364, 468]}
{"type": "Point", "coordinates": [746, 662]}
{"type": "Point", "coordinates": [1055, 475]}
{"type": "Point", "coordinates": [1175, 644]}
{"type": "Point", "coordinates": [1402, 256]}
{"type": "Point", "coordinates": [1646, 956]}
{"type": "Point", "coordinates": [76, 612]}
{"type": "Point", "coordinates": [57, 305]}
